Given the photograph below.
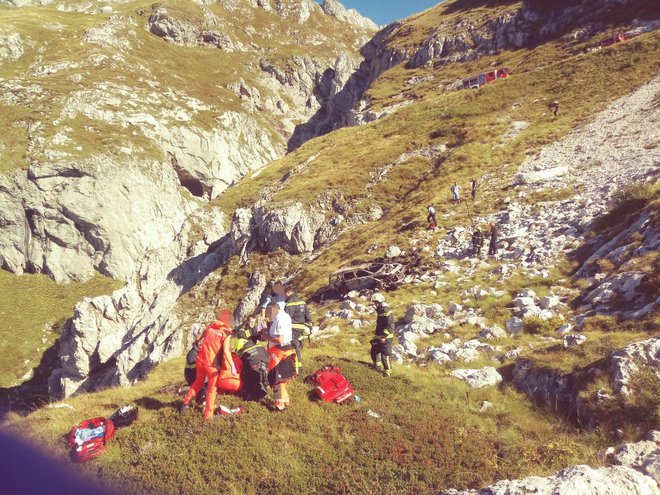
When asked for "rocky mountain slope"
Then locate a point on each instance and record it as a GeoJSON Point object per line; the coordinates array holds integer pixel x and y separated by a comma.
{"type": "Point", "coordinates": [149, 110]}
{"type": "Point", "coordinates": [500, 358]}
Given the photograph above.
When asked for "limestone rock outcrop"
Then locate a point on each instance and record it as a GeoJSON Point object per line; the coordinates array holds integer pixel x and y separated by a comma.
{"type": "Point", "coordinates": [117, 339]}
{"type": "Point", "coordinates": [70, 219]}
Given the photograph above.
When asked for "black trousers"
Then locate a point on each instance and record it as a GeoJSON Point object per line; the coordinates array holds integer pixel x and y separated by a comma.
{"type": "Point", "coordinates": [255, 373]}
{"type": "Point", "coordinates": [383, 351]}
{"type": "Point", "coordinates": [298, 343]}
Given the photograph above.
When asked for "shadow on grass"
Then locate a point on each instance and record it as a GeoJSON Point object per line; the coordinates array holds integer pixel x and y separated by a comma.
{"type": "Point", "coordinates": [32, 394]}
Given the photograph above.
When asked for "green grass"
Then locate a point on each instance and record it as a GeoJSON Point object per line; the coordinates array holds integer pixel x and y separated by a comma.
{"type": "Point", "coordinates": [33, 311]}
{"type": "Point", "coordinates": [431, 435]}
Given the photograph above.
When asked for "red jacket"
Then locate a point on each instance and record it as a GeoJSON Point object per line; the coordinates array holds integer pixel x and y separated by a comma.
{"type": "Point", "coordinates": [214, 336]}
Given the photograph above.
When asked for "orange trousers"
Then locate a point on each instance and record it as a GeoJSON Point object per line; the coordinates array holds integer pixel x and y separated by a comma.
{"type": "Point", "coordinates": [211, 390]}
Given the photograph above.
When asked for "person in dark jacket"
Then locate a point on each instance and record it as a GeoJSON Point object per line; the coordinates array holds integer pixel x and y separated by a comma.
{"type": "Point", "coordinates": [381, 346]}
{"type": "Point", "coordinates": [473, 188]}
{"type": "Point", "coordinates": [301, 322]}
{"type": "Point", "coordinates": [492, 247]}
{"type": "Point", "coordinates": [190, 371]}
{"type": "Point", "coordinates": [477, 242]}
{"type": "Point", "coordinates": [255, 359]}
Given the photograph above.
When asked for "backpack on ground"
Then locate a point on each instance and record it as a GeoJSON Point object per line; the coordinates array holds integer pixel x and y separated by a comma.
{"type": "Point", "coordinates": [88, 439]}
{"type": "Point", "coordinates": [124, 416]}
{"type": "Point", "coordinates": [332, 385]}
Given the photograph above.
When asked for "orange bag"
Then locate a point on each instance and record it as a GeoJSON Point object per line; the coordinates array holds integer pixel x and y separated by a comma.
{"type": "Point", "coordinates": [227, 383]}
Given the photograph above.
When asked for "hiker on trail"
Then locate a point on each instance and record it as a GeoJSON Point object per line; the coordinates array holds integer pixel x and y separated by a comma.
{"type": "Point", "coordinates": [381, 346]}
{"type": "Point", "coordinates": [276, 294]}
{"type": "Point", "coordinates": [456, 191]}
{"type": "Point", "coordinates": [301, 322]}
{"type": "Point", "coordinates": [282, 355]}
{"type": "Point", "coordinates": [477, 242]}
{"type": "Point", "coordinates": [430, 218]}
{"type": "Point", "coordinates": [254, 374]}
{"type": "Point", "coordinates": [190, 371]}
{"type": "Point", "coordinates": [215, 349]}
{"type": "Point", "coordinates": [473, 188]}
{"type": "Point", "coordinates": [554, 106]}
{"type": "Point", "coordinates": [492, 247]}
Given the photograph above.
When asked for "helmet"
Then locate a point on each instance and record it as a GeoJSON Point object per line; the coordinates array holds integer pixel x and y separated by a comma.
{"type": "Point", "coordinates": [377, 297]}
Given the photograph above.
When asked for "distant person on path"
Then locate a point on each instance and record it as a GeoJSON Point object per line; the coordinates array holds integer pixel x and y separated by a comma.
{"type": "Point", "coordinates": [301, 322]}
{"type": "Point", "coordinates": [492, 247]}
{"type": "Point", "coordinates": [456, 191]}
{"type": "Point", "coordinates": [477, 242]}
{"type": "Point", "coordinates": [282, 355]}
{"type": "Point", "coordinates": [473, 188]}
{"type": "Point", "coordinates": [215, 348]}
{"type": "Point", "coordinates": [430, 218]}
{"type": "Point", "coordinates": [554, 106]}
{"type": "Point", "coordinates": [381, 346]}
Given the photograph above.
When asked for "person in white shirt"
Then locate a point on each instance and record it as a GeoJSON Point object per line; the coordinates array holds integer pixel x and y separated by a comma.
{"type": "Point", "coordinates": [430, 218]}
{"type": "Point", "coordinates": [282, 355]}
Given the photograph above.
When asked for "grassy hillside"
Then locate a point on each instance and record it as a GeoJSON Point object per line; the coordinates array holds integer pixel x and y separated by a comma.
{"type": "Point", "coordinates": [472, 124]}
{"type": "Point", "coordinates": [421, 430]}
{"type": "Point", "coordinates": [413, 433]}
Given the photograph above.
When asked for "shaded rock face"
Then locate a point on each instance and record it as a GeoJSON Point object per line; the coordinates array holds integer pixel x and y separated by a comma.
{"type": "Point", "coordinates": [68, 220]}
{"type": "Point", "coordinates": [116, 339]}
{"type": "Point", "coordinates": [631, 469]}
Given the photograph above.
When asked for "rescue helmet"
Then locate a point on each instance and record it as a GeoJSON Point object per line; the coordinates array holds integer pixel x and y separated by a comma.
{"type": "Point", "coordinates": [378, 298]}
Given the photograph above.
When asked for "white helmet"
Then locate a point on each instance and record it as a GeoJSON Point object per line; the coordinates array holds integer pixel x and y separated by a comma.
{"type": "Point", "coordinates": [378, 297]}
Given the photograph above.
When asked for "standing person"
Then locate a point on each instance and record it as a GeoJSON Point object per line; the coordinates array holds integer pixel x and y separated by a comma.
{"type": "Point", "coordinates": [281, 365]}
{"type": "Point", "coordinates": [254, 374]}
{"type": "Point", "coordinates": [477, 242]}
{"type": "Point", "coordinates": [381, 346]}
{"type": "Point", "coordinates": [430, 218]}
{"type": "Point", "coordinates": [473, 188]}
{"type": "Point", "coordinates": [301, 322]}
{"type": "Point", "coordinates": [456, 191]}
{"type": "Point", "coordinates": [492, 247]}
{"type": "Point", "coordinates": [214, 350]}
{"type": "Point", "coordinates": [275, 294]}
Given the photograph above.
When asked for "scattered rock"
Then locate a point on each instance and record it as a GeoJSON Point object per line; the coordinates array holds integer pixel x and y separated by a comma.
{"type": "Point", "coordinates": [485, 377]}
{"type": "Point", "coordinates": [393, 252]}
{"type": "Point", "coordinates": [627, 361]}
{"type": "Point", "coordinates": [573, 340]}
{"type": "Point", "coordinates": [514, 326]}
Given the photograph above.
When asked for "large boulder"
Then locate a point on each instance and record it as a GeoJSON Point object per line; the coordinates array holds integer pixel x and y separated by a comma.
{"type": "Point", "coordinates": [485, 377]}
{"type": "Point", "coordinates": [628, 361]}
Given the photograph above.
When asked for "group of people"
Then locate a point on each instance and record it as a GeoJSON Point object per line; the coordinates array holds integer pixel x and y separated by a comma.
{"type": "Point", "coordinates": [478, 238]}
{"type": "Point", "coordinates": [456, 197]}
{"type": "Point", "coordinates": [456, 190]}
{"type": "Point", "coordinates": [222, 354]}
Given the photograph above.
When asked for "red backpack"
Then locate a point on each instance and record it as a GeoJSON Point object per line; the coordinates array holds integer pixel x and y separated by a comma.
{"type": "Point", "coordinates": [332, 385]}
{"type": "Point", "coordinates": [88, 439]}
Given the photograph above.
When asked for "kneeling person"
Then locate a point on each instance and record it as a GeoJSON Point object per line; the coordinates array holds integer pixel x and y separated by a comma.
{"type": "Point", "coordinates": [255, 360]}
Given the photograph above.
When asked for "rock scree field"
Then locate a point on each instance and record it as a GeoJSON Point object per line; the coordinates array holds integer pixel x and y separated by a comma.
{"type": "Point", "coordinates": [163, 161]}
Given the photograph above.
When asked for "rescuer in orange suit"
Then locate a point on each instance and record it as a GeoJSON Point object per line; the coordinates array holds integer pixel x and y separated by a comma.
{"type": "Point", "coordinates": [215, 348]}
